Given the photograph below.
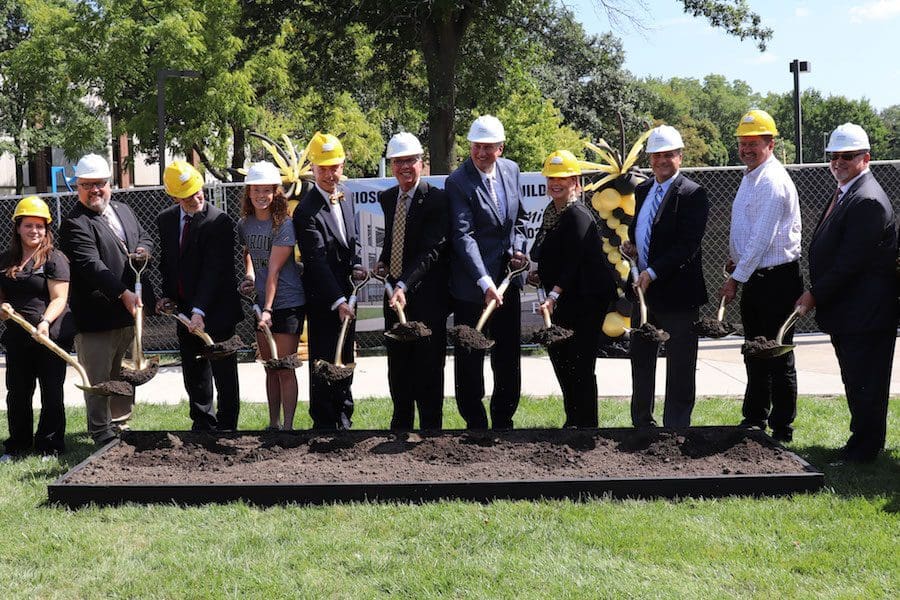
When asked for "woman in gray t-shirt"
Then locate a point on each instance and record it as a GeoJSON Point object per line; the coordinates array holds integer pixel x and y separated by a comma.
{"type": "Point", "coordinates": [267, 236]}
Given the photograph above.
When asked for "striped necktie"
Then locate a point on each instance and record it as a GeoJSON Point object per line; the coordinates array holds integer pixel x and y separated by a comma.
{"type": "Point", "coordinates": [654, 208]}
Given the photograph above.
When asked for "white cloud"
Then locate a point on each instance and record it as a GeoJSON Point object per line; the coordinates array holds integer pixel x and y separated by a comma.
{"type": "Point", "coordinates": [877, 10]}
{"type": "Point", "coordinates": [801, 12]}
{"type": "Point", "coordinates": [763, 58]}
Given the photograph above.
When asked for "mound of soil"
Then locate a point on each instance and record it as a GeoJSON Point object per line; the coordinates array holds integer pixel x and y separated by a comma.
{"type": "Point", "coordinates": [160, 458]}
{"type": "Point", "coordinates": [220, 349]}
{"type": "Point", "coordinates": [550, 335]}
{"type": "Point", "coordinates": [713, 328]}
{"type": "Point", "coordinates": [468, 338]}
{"type": "Point", "coordinates": [409, 331]}
{"type": "Point", "coordinates": [113, 388]}
{"type": "Point", "coordinates": [285, 362]}
{"type": "Point", "coordinates": [331, 372]}
{"type": "Point", "coordinates": [650, 333]}
{"type": "Point", "coordinates": [758, 346]}
{"type": "Point", "coordinates": [138, 377]}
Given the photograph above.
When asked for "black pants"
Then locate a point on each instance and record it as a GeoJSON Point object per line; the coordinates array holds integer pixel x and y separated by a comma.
{"type": "Point", "coordinates": [199, 375]}
{"type": "Point", "coordinates": [416, 372]}
{"type": "Point", "coordinates": [330, 403]}
{"type": "Point", "coordinates": [504, 327]}
{"type": "Point", "coordinates": [865, 361]}
{"type": "Point", "coordinates": [27, 362]}
{"type": "Point", "coordinates": [575, 359]}
{"type": "Point", "coordinates": [681, 368]}
{"type": "Point", "coordinates": [766, 301]}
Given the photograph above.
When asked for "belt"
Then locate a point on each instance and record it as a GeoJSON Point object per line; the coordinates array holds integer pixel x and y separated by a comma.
{"type": "Point", "coordinates": [760, 273]}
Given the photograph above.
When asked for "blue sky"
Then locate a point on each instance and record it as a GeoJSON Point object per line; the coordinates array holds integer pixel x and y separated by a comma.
{"type": "Point", "coordinates": [853, 46]}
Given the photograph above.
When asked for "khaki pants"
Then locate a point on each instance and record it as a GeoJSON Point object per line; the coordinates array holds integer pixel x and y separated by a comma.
{"type": "Point", "coordinates": [101, 354]}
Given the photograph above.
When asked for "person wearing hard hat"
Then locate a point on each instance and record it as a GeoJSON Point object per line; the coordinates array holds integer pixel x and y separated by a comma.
{"type": "Point", "coordinates": [574, 272]}
{"type": "Point", "coordinates": [414, 259]}
{"type": "Point", "coordinates": [198, 276]}
{"type": "Point", "coordinates": [266, 233]}
{"type": "Point", "coordinates": [97, 236]}
{"type": "Point", "coordinates": [853, 288]}
{"type": "Point", "coordinates": [34, 281]}
{"type": "Point", "coordinates": [764, 251]}
{"type": "Point", "coordinates": [326, 230]}
{"type": "Point", "coordinates": [671, 220]}
{"type": "Point", "coordinates": [487, 235]}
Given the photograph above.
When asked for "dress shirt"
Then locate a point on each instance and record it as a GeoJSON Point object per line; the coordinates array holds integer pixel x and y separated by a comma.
{"type": "Point", "coordinates": [643, 226]}
{"type": "Point", "coordinates": [337, 214]}
{"type": "Point", "coordinates": [114, 222]}
{"type": "Point", "coordinates": [487, 281]}
{"type": "Point", "coordinates": [846, 186]}
{"type": "Point", "coordinates": [765, 220]}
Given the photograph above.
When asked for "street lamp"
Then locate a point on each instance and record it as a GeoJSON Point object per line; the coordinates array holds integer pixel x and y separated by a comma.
{"type": "Point", "coordinates": [797, 67]}
{"type": "Point", "coordinates": [161, 76]}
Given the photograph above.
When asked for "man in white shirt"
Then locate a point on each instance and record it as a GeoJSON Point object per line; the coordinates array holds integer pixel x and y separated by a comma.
{"type": "Point", "coordinates": [764, 258]}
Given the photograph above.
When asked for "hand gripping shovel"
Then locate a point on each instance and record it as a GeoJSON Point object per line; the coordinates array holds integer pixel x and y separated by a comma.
{"type": "Point", "coordinates": [142, 369]}
{"type": "Point", "coordinates": [551, 334]}
{"type": "Point", "coordinates": [338, 371]}
{"type": "Point", "coordinates": [645, 331]}
{"type": "Point", "coordinates": [211, 350]}
{"type": "Point", "coordinates": [472, 339]}
{"type": "Point", "coordinates": [291, 361]}
{"type": "Point", "coordinates": [404, 331]}
{"type": "Point", "coordinates": [106, 388]}
{"type": "Point", "coordinates": [760, 347]}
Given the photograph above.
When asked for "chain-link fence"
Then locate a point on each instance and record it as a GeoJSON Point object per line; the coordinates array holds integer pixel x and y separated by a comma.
{"type": "Point", "coordinates": [815, 186]}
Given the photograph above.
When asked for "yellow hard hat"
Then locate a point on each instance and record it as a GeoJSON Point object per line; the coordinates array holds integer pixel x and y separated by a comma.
{"type": "Point", "coordinates": [32, 206]}
{"type": "Point", "coordinates": [756, 122]}
{"type": "Point", "coordinates": [561, 163]}
{"type": "Point", "coordinates": [181, 179]}
{"type": "Point", "coordinates": [325, 150]}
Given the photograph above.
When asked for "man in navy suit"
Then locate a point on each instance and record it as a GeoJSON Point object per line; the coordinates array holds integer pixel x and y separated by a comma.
{"type": "Point", "coordinates": [670, 221]}
{"type": "Point", "coordinates": [325, 225]}
{"type": "Point", "coordinates": [487, 235]}
{"type": "Point", "coordinates": [97, 236]}
{"type": "Point", "coordinates": [853, 288]}
{"type": "Point", "coordinates": [414, 257]}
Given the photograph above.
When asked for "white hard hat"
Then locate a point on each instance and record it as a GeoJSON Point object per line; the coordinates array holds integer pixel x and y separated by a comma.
{"type": "Point", "coordinates": [487, 129]}
{"type": "Point", "coordinates": [92, 166]}
{"type": "Point", "coordinates": [263, 173]}
{"type": "Point", "coordinates": [848, 137]}
{"type": "Point", "coordinates": [663, 139]}
{"type": "Point", "coordinates": [404, 144]}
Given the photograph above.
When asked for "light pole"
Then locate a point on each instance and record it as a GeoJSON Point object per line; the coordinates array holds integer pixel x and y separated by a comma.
{"type": "Point", "coordinates": [161, 76]}
{"type": "Point", "coordinates": [797, 67]}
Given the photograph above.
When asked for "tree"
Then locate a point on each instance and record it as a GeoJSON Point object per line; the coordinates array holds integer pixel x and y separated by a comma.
{"type": "Point", "coordinates": [891, 118]}
{"type": "Point", "coordinates": [41, 106]}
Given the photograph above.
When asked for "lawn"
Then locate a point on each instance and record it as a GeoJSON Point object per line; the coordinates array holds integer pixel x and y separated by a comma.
{"type": "Point", "coordinates": [843, 542]}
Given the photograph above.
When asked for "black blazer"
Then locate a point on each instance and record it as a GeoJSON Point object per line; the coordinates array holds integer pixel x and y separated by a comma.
{"type": "Point", "coordinates": [676, 236]}
{"type": "Point", "coordinates": [99, 266]}
{"type": "Point", "coordinates": [852, 262]}
{"type": "Point", "coordinates": [327, 260]}
{"type": "Point", "coordinates": [206, 266]}
{"type": "Point", "coordinates": [426, 267]}
{"type": "Point", "coordinates": [571, 256]}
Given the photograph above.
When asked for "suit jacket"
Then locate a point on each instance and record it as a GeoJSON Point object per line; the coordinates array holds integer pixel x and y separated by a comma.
{"type": "Point", "coordinates": [482, 240]}
{"type": "Point", "coordinates": [425, 270]}
{"type": "Point", "coordinates": [99, 266]}
{"type": "Point", "coordinates": [205, 268]}
{"type": "Point", "coordinates": [676, 234]}
{"type": "Point", "coordinates": [852, 262]}
{"type": "Point", "coordinates": [327, 258]}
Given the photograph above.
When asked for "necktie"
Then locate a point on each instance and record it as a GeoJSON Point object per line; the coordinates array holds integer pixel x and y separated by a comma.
{"type": "Point", "coordinates": [489, 182]}
{"type": "Point", "coordinates": [399, 234]}
{"type": "Point", "coordinates": [109, 223]}
{"type": "Point", "coordinates": [654, 208]}
{"type": "Point", "coordinates": [834, 202]}
{"type": "Point", "coordinates": [185, 229]}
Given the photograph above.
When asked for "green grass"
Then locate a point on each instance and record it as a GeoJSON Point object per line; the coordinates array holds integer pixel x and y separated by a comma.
{"type": "Point", "coordinates": [843, 542]}
{"type": "Point", "coordinates": [369, 312]}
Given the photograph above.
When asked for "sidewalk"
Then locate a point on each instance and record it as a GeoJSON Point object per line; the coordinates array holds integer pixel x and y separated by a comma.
{"type": "Point", "coordinates": [720, 372]}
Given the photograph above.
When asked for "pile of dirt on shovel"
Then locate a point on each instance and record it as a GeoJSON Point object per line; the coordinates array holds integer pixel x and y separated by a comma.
{"type": "Point", "coordinates": [409, 331]}
{"type": "Point", "coordinates": [113, 388]}
{"type": "Point", "coordinates": [548, 336]}
{"type": "Point", "coordinates": [138, 377]}
{"type": "Point", "coordinates": [758, 345]}
{"type": "Point", "coordinates": [650, 333]}
{"type": "Point", "coordinates": [713, 328]}
{"type": "Point", "coordinates": [285, 362]}
{"type": "Point", "coordinates": [468, 338]}
{"type": "Point", "coordinates": [331, 372]}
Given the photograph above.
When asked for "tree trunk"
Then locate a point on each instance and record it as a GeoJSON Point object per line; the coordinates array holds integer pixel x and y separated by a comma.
{"type": "Point", "coordinates": [239, 135]}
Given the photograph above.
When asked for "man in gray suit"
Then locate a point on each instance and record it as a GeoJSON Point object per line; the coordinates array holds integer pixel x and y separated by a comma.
{"type": "Point", "coordinates": [487, 234]}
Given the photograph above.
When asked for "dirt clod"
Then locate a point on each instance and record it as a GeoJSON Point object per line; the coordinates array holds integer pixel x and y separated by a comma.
{"type": "Point", "coordinates": [650, 333]}
{"type": "Point", "coordinates": [223, 349]}
{"type": "Point", "coordinates": [285, 362]}
{"type": "Point", "coordinates": [138, 377]}
{"type": "Point", "coordinates": [758, 346]}
{"type": "Point", "coordinates": [548, 336]}
{"type": "Point", "coordinates": [409, 331]}
{"type": "Point", "coordinates": [113, 388]}
{"type": "Point", "coordinates": [331, 372]}
{"type": "Point", "coordinates": [713, 328]}
{"type": "Point", "coordinates": [468, 338]}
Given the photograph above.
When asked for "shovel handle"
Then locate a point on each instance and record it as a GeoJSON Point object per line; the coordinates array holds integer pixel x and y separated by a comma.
{"type": "Point", "coordinates": [721, 314]}
{"type": "Point", "coordinates": [49, 344]}
{"type": "Point", "coordinates": [640, 293]}
{"type": "Point", "coordinates": [270, 339]}
{"type": "Point", "coordinates": [340, 342]}
{"type": "Point", "coordinates": [401, 314]}
{"type": "Point", "coordinates": [788, 323]}
{"type": "Point", "coordinates": [545, 312]}
{"type": "Point", "coordinates": [492, 304]}
{"type": "Point", "coordinates": [200, 334]}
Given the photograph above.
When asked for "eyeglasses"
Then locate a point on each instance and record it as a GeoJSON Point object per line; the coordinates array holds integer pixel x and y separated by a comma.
{"type": "Point", "coordinates": [848, 156]}
{"type": "Point", "coordinates": [402, 162]}
{"type": "Point", "coordinates": [89, 185]}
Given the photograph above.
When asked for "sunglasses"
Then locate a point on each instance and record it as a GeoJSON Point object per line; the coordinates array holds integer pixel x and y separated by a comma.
{"type": "Point", "coordinates": [89, 185]}
{"type": "Point", "coordinates": [848, 156]}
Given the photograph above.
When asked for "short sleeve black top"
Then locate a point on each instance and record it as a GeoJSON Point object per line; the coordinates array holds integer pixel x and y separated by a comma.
{"type": "Point", "coordinates": [29, 292]}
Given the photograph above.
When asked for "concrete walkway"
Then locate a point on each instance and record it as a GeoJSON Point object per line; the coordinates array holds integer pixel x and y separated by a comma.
{"type": "Point", "coordinates": [720, 372]}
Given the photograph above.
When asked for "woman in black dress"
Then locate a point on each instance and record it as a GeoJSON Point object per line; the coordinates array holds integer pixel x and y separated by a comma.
{"type": "Point", "coordinates": [579, 284]}
{"type": "Point", "coordinates": [34, 281]}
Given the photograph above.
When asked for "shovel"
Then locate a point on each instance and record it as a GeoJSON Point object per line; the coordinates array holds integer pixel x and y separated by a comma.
{"type": "Point", "coordinates": [551, 334]}
{"type": "Point", "coordinates": [106, 388]}
{"type": "Point", "coordinates": [143, 370]}
{"type": "Point", "coordinates": [472, 339]}
{"type": "Point", "coordinates": [211, 350]}
{"type": "Point", "coordinates": [645, 330]}
{"type": "Point", "coordinates": [286, 362]}
{"type": "Point", "coordinates": [338, 371]}
{"type": "Point", "coordinates": [404, 331]}
{"type": "Point", "coordinates": [715, 328]}
{"type": "Point", "coordinates": [760, 347]}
